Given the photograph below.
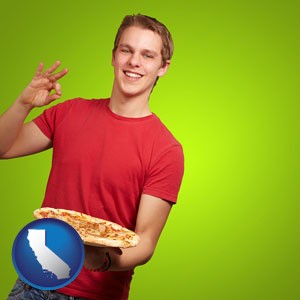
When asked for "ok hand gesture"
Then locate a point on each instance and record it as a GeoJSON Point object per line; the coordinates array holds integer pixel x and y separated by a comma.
{"type": "Point", "coordinates": [44, 88]}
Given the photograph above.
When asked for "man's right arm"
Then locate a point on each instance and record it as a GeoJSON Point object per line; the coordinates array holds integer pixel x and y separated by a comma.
{"type": "Point", "coordinates": [19, 139]}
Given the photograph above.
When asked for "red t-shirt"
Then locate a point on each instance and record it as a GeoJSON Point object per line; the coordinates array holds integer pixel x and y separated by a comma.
{"type": "Point", "coordinates": [102, 164]}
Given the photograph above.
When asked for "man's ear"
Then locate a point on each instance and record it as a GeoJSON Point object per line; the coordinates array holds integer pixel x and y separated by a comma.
{"type": "Point", "coordinates": [113, 58]}
{"type": "Point", "coordinates": [163, 69]}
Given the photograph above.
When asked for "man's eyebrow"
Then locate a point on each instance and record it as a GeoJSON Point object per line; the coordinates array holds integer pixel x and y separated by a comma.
{"type": "Point", "coordinates": [125, 46]}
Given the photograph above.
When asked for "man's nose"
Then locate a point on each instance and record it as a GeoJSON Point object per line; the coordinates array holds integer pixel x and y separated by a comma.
{"type": "Point", "coordinates": [134, 60]}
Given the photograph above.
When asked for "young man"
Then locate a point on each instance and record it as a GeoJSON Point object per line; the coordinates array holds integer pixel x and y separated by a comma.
{"type": "Point", "coordinates": [112, 158]}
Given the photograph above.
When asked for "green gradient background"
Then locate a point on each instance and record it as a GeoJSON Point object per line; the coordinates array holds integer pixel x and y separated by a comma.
{"type": "Point", "coordinates": [231, 97]}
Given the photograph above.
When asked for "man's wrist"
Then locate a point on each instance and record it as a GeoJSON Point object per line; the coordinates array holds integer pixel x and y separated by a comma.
{"type": "Point", "coordinates": [23, 107]}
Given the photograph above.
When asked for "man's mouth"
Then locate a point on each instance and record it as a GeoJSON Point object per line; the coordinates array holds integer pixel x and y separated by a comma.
{"type": "Point", "coordinates": [132, 74]}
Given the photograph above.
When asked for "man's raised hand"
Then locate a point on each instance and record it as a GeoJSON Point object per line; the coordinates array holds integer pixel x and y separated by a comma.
{"type": "Point", "coordinates": [44, 87]}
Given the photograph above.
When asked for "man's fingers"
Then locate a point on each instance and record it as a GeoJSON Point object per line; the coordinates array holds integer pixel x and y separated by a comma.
{"type": "Point", "coordinates": [57, 88]}
{"type": "Point", "coordinates": [57, 93]}
{"type": "Point", "coordinates": [48, 73]}
{"type": "Point", "coordinates": [39, 69]}
{"type": "Point", "coordinates": [52, 68]}
{"type": "Point", "coordinates": [59, 75]}
{"type": "Point", "coordinates": [117, 250]}
{"type": "Point", "coordinates": [51, 98]}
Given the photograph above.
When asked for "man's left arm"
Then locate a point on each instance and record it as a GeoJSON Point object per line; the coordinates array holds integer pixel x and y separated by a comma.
{"type": "Point", "coordinates": [152, 216]}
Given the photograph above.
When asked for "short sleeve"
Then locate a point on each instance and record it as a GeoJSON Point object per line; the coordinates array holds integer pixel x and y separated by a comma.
{"type": "Point", "coordinates": [52, 117]}
{"type": "Point", "coordinates": [165, 175]}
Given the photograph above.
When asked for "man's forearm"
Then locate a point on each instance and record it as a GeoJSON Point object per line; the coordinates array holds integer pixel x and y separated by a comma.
{"type": "Point", "coordinates": [132, 257]}
{"type": "Point", "coordinates": [11, 123]}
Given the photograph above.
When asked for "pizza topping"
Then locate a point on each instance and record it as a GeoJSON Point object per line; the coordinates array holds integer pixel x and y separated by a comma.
{"type": "Point", "coordinates": [93, 231]}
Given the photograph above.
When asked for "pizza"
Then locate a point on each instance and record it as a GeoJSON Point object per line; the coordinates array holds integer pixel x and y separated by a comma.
{"type": "Point", "coordinates": [93, 231]}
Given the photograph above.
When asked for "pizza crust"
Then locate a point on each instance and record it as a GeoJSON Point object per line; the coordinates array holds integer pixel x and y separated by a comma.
{"type": "Point", "coordinates": [93, 231]}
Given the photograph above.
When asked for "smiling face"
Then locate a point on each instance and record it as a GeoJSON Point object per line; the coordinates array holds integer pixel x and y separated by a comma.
{"type": "Point", "coordinates": [137, 62]}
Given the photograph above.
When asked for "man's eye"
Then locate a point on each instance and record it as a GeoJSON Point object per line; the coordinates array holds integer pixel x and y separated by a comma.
{"type": "Point", "coordinates": [148, 55]}
{"type": "Point", "coordinates": [125, 50]}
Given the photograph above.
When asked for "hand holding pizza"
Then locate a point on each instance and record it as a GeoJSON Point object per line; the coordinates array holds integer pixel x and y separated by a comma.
{"type": "Point", "coordinates": [95, 257]}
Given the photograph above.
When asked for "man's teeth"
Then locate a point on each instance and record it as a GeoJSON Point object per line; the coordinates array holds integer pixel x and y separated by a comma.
{"type": "Point", "coordinates": [134, 75]}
